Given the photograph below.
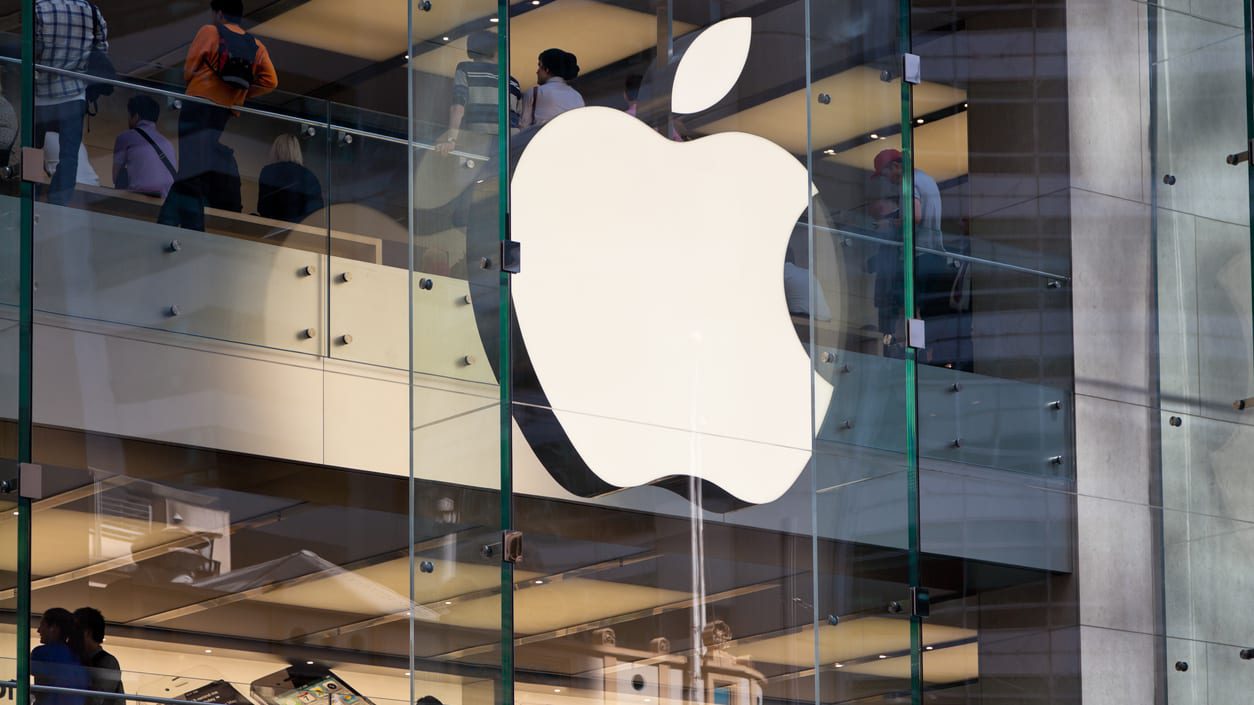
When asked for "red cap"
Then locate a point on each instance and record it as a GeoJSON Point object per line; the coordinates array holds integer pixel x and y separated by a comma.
{"type": "Point", "coordinates": [886, 157]}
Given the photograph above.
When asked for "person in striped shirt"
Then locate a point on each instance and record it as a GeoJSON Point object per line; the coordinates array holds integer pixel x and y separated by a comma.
{"type": "Point", "coordinates": [475, 96]}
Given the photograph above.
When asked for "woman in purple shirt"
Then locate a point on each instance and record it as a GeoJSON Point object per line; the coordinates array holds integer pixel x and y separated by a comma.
{"type": "Point", "coordinates": [143, 160]}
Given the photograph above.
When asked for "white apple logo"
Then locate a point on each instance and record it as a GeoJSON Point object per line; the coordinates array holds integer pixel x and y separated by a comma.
{"type": "Point", "coordinates": [652, 300]}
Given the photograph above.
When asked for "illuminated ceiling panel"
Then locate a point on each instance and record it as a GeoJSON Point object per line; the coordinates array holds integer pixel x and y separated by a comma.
{"type": "Point", "coordinates": [861, 102]}
{"type": "Point", "coordinates": [940, 149]}
{"type": "Point", "coordinates": [852, 639]}
{"type": "Point", "coordinates": [953, 664]}
{"type": "Point", "coordinates": [598, 34]}
{"type": "Point", "coordinates": [370, 29]}
{"type": "Point", "coordinates": [542, 608]}
{"type": "Point", "coordinates": [360, 590]}
{"type": "Point", "coordinates": [64, 540]}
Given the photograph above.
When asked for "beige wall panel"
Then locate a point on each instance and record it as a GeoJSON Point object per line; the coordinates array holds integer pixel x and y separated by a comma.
{"type": "Point", "coordinates": [145, 389]}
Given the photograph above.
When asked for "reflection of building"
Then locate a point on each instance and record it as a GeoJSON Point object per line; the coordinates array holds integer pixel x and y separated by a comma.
{"type": "Point", "coordinates": [273, 444]}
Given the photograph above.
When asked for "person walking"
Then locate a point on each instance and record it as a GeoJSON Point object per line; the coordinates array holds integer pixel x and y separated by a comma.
{"type": "Point", "coordinates": [475, 97]}
{"type": "Point", "coordinates": [66, 32]}
{"type": "Point", "coordinates": [103, 668]}
{"type": "Point", "coordinates": [54, 663]}
{"type": "Point", "coordinates": [225, 65]}
{"type": "Point", "coordinates": [553, 95]}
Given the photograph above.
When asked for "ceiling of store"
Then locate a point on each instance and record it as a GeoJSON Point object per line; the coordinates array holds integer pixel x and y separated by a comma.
{"type": "Point", "coordinates": [335, 44]}
{"type": "Point", "coordinates": [81, 548]}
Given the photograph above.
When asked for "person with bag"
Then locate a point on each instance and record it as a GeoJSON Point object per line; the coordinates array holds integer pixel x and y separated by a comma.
{"type": "Point", "coordinates": [225, 66]}
{"type": "Point", "coordinates": [67, 34]}
{"type": "Point", "coordinates": [555, 69]}
{"type": "Point", "coordinates": [142, 156]}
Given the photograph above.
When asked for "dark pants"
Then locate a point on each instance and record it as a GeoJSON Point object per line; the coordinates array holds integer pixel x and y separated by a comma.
{"type": "Point", "coordinates": [200, 129]}
{"type": "Point", "coordinates": [65, 119]}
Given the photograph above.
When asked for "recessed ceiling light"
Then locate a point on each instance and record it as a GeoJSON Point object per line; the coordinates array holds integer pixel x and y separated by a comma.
{"type": "Point", "coordinates": [964, 105]}
{"type": "Point", "coordinates": [929, 648]}
{"type": "Point", "coordinates": [15, 512]}
{"type": "Point", "coordinates": [448, 602]}
{"type": "Point", "coordinates": [829, 151]}
{"type": "Point", "coordinates": [309, 663]}
{"type": "Point", "coordinates": [874, 136]}
{"type": "Point", "coordinates": [557, 690]}
{"type": "Point", "coordinates": [208, 651]}
{"type": "Point", "coordinates": [407, 673]}
{"type": "Point", "coordinates": [535, 2]}
{"type": "Point", "coordinates": [539, 582]}
{"type": "Point", "coordinates": [839, 665]}
{"type": "Point", "coordinates": [493, 19]}
{"type": "Point", "coordinates": [446, 39]}
{"type": "Point", "coordinates": [920, 121]}
{"type": "Point", "coordinates": [883, 656]}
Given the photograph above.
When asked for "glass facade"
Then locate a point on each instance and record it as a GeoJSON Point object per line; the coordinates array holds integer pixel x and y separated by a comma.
{"type": "Point", "coordinates": [569, 352]}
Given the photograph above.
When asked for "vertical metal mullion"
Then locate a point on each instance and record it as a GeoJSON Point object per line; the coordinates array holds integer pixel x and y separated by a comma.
{"type": "Point", "coordinates": [26, 354]}
{"type": "Point", "coordinates": [505, 342]}
{"type": "Point", "coordinates": [815, 585]}
{"type": "Point", "coordinates": [1247, 17]}
{"type": "Point", "coordinates": [904, 44]}
{"type": "Point", "coordinates": [412, 494]}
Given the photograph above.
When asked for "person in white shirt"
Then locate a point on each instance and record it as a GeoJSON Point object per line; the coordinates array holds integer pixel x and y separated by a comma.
{"type": "Point", "coordinates": [554, 95]}
{"type": "Point", "coordinates": [797, 284]}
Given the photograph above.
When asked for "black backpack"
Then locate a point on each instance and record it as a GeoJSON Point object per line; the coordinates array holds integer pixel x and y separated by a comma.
{"type": "Point", "coordinates": [236, 58]}
{"type": "Point", "coordinates": [99, 65]}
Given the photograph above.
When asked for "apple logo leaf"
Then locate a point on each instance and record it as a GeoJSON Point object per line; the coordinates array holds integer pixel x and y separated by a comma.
{"type": "Point", "coordinates": [711, 66]}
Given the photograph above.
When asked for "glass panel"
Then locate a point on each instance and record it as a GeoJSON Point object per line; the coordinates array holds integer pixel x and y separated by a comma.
{"type": "Point", "coordinates": [11, 108]}
{"type": "Point", "coordinates": [452, 283]}
{"type": "Point", "coordinates": [245, 469]}
{"type": "Point", "coordinates": [667, 483]}
{"type": "Point", "coordinates": [1202, 227]}
{"type": "Point", "coordinates": [854, 253]}
{"type": "Point", "coordinates": [992, 286]}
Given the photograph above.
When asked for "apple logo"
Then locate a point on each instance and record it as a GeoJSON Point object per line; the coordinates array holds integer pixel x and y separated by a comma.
{"type": "Point", "coordinates": [652, 303]}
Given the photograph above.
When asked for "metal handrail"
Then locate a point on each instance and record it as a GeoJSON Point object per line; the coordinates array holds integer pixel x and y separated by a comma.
{"type": "Point", "coordinates": [175, 95]}
{"type": "Point", "coordinates": [854, 235]}
{"type": "Point", "coordinates": [53, 689]}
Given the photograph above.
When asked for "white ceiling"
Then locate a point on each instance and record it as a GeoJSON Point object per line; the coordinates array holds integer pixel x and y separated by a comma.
{"type": "Point", "coordinates": [596, 33]}
{"type": "Point", "coordinates": [861, 102]}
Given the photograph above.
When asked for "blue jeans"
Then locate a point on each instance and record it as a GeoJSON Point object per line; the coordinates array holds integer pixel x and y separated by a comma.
{"type": "Point", "coordinates": [65, 119]}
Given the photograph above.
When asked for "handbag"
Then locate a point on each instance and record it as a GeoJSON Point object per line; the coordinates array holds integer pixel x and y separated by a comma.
{"type": "Point", "coordinates": [99, 65]}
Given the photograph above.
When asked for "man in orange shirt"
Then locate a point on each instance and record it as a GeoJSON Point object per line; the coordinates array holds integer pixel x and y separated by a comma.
{"type": "Point", "coordinates": [225, 66]}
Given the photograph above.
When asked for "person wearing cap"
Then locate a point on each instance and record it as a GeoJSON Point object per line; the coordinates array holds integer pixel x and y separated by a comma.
{"type": "Point", "coordinates": [927, 198]}
{"type": "Point", "coordinates": [936, 276]}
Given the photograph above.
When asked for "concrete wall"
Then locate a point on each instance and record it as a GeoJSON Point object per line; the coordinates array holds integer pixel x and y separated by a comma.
{"type": "Point", "coordinates": [1161, 304]}
{"type": "Point", "coordinates": [1115, 348]}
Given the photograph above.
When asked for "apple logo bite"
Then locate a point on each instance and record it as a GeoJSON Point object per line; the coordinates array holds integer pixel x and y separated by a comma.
{"type": "Point", "coordinates": [652, 302]}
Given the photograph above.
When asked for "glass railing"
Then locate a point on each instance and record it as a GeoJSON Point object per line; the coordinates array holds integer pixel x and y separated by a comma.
{"type": "Point", "coordinates": [994, 379]}
{"type": "Point", "coordinates": [328, 274]}
{"type": "Point", "coordinates": [305, 244]}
